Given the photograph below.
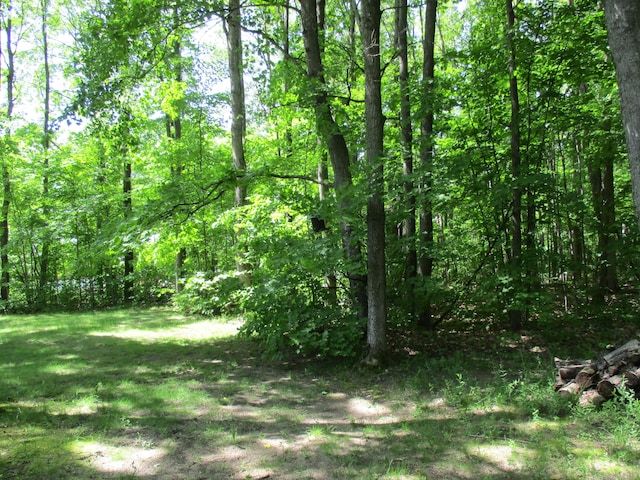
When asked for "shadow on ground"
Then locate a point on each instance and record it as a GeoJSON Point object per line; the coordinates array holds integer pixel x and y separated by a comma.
{"type": "Point", "coordinates": [185, 401]}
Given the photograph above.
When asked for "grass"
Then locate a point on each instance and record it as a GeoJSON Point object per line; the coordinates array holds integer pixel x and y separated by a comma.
{"type": "Point", "coordinates": [149, 393]}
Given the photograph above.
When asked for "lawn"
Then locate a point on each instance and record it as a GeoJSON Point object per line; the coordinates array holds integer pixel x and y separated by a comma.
{"type": "Point", "coordinates": [153, 394]}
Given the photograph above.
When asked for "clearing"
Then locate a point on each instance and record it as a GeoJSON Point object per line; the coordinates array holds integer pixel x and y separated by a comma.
{"type": "Point", "coordinates": [154, 394]}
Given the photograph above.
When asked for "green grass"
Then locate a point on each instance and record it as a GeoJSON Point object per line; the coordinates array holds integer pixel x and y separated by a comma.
{"type": "Point", "coordinates": [149, 393]}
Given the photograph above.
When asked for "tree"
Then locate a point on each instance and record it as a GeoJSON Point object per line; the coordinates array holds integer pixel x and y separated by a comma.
{"type": "Point", "coordinates": [623, 26]}
{"type": "Point", "coordinates": [374, 121]}
{"type": "Point", "coordinates": [425, 258]}
{"type": "Point", "coordinates": [46, 145]}
{"type": "Point", "coordinates": [515, 312]}
{"type": "Point", "coordinates": [329, 130]}
{"type": "Point", "coordinates": [8, 149]}
{"type": "Point", "coordinates": [406, 143]}
{"type": "Point", "coordinates": [238, 114]}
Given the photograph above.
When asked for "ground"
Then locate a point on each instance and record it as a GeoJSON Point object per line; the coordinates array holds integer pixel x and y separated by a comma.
{"type": "Point", "coordinates": [152, 394]}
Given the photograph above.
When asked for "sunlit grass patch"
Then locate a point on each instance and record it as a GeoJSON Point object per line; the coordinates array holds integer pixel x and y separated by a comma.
{"type": "Point", "coordinates": [118, 390]}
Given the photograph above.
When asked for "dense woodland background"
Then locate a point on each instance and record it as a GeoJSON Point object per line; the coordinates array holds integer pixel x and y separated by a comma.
{"type": "Point", "coordinates": [326, 178]}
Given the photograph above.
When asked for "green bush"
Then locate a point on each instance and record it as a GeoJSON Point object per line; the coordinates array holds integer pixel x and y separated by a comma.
{"type": "Point", "coordinates": [206, 294]}
{"type": "Point", "coordinates": [286, 319]}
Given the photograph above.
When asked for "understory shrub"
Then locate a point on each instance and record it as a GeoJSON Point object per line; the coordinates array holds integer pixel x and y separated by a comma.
{"type": "Point", "coordinates": [286, 319]}
{"type": "Point", "coordinates": [208, 294]}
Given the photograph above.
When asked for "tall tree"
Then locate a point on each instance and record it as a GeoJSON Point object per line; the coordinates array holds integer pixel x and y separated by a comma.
{"type": "Point", "coordinates": [127, 203]}
{"type": "Point", "coordinates": [238, 109]}
{"type": "Point", "coordinates": [515, 312]}
{"type": "Point", "coordinates": [601, 170]}
{"type": "Point", "coordinates": [173, 120]}
{"type": "Point", "coordinates": [406, 142]}
{"type": "Point", "coordinates": [46, 144]}
{"type": "Point", "coordinates": [623, 26]}
{"type": "Point", "coordinates": [233, 31]}
{"type": "Point", "coordinates": [330, 132]}
{"type": "Point", "coordinates": [425, 257]}
{"type": "Point", "coordinates": [7, 151]}
{"type": "Point", "coordinates": [374, 122]}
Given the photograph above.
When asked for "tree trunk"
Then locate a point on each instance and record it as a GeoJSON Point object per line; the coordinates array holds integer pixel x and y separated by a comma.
{"type": "Point", "coordinates": [233, 31]}
{"type": "Point", "coordinates": [602, 196]}
{"type": "Point", "coordinates": [238, 111]}
{"type": "Point", "coordinates": [329, 131]}
{"type": "Point", "coordinates": [330, 281]}
{"type": "Point", "coordinates": [374, 121]}
{"type": "Point", "coordinates": [425, 257]}
{"type": "Point", "coordinates": [406, 141]}
{"type": "Point", "coordinates": [129, 255]}
{"type": "Point", "coordinates": [174, 132]}
{"type": "Point", "coordinates": [623, 26]}
{"type": "Point", "coordinates": [515, 312]}
{"type": "Point", "coordinates": [46, 140]}
{"type": "Point", "coordinates": [6, 177]}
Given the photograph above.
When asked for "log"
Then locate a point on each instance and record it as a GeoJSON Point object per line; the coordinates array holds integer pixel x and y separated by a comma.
{"type": "Point", "coordinates": [591, 397]}
{"type": "Point", "coordinates": [569, 372]}
{"type": "Point", "coordinates": [559, 363]}
{"type": "Point", "coordinates": [607, 386]}
{"type": "Point", "coordinates": [587, 377]}
{"type": "Point", "coordinates": [597, 381]}
{"type": "Point", "coordinates": [629, 353]}
{"type": "Point", "coordinates": [633, 379]}
{"type": "Point", "coordinates": [571, 388]}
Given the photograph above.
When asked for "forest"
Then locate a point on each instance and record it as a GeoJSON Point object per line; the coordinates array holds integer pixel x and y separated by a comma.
{"type": "Point", "coordinates": [338, 173]}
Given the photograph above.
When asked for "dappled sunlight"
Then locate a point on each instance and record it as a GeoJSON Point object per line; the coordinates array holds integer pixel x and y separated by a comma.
{"type": "Point", "coordinates": [63, 369]}
{"type": "Point", "coordinates": [141, 401]}
{"type": "Point", "coordinates": [376, 413]}
{"type": "Point", "coordinates": [503, 457]}
{"type": "Point", "coordinates": [121, 459]}
{"type": "Point", "coordinates": [201, 330]}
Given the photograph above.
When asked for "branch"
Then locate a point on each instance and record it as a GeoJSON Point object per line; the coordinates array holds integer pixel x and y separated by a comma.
{"type": "Point", "coordinates": [300, 177]}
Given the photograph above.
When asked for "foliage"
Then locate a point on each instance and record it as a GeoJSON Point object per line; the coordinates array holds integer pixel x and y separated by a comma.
{"type": "Point", "coordinates": [284, 320]}
{"type": "Point", "coordinates": [210, 295]}
{"type": "Point", "coordinates": [137, 72]}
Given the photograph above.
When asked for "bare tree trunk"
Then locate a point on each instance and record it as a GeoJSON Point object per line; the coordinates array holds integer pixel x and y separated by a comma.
{"type": "Point", "coordinates": [374, 120]}
{"type": "Point", "coordinates": [330, 281]}
{"type": "Point", "coordinates": [406, 141]}
{"type": "Point", "coordinates": [425, 258]}
{"type": "Point", "coordinates": [602, 196]}
{"type": "Point", "coordinates": [174, 132]}
{"type": "Point", "coordinates": [6, 177]}
{"type": "Point", "coordinates": [127, 207]}
{"type": "Point", "coordinates": [238, 110]}
{"type": "Point", "coordinates": [623, 26]}
{"type": "Point", "coordinates": [330, 132]}
{"type": "Point", "coordinates": [46, 140]}
{"type": "Point", "coordinates": [233, 30]}
{"type": "Point", "coordinates": [515, 313]}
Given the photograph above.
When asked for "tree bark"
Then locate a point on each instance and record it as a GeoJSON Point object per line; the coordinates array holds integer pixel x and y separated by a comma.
{"type": "Point", "coordinates": [406, 141]}
{"type": "Point", "coordinates": [602, 196]}
{"type": "Point", "coordinates": [330, 132]}
{"type": "Point", "coordinates": [46, 141]}
{"type": "Point", "coordinates": [129, 256]}
{"type": "Point", "coordinates": [425, 257]}
{"type": "Point", "coordinates": [6, 176]}
{"type": "Point", "coordinates": [622, 18]}
{"type": "Point", "coordinates": [515, 313]}
{"type": "Point", "coordinates": [330, 281]}
{"type": "Point", "coordinates": [238, 110]}
{"type": "Point", "coordinates": [233, 31]}
{"type": "Point", "coordinates": [174, 132]}
{"type": "Point", "coordinates": [374, 121]}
